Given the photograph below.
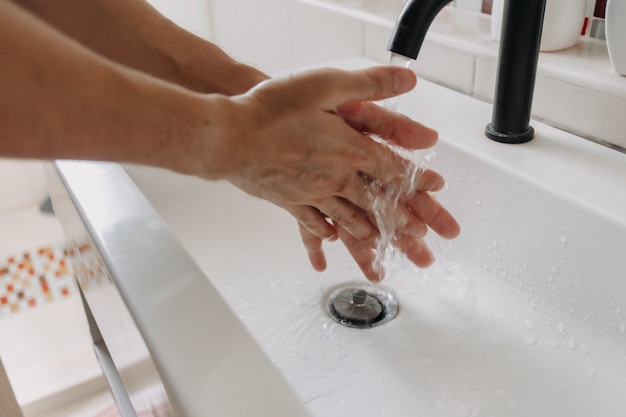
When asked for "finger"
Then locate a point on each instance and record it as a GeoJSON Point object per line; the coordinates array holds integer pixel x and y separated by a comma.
{"type": "Point", "coordinates": [330, 87]}
{"type": "Point", "coordinates": [434, 215]}
{"type": "Point", "coordinates": [415, 250]}
{"type": "Point", "coordinates": [391, 215]}
{"type": "Point", "coordinates": [394, 127]}
{"type": "Point", "coordinates": [314, 221]}
{"type": "Point", "coordinates": [313, 246]}
{"type": "Point", "coordinates": [362, 253]}
{"type": "Point", "coordinates": [377, 83]}
{"type": "Point", "coordinates": [351, 218]}
{"type": "Point", "coordinates": [429, 180]}
{"type": "Point", "coordinates": [369, 161]}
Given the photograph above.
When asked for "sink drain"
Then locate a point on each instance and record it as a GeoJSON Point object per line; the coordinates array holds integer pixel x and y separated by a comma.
{"type": "Point", "coordinates": [361, 306]}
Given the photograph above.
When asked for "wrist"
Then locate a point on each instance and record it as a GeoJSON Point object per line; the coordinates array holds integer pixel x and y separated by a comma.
{"type": "Point", "coordinates": [205, 68]}
{"type": "Point", "coordinates": [201, 134]}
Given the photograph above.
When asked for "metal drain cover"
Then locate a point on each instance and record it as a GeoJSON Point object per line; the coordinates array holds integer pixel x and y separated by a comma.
{"type": "Point", "coordinates": [361, 306]}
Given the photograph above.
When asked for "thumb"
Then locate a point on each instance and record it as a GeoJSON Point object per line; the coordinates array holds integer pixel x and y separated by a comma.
{"type": "Point", "coordinates": [370, 84]}
{"type": "Point", "coordinates": [330, 87]}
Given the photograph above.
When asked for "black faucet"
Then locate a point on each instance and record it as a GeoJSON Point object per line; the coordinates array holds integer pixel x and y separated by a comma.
{"type": "Point", "coordinates": [517, 63]}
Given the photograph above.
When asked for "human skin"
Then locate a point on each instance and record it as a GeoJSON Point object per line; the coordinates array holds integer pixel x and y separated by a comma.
{"type": "Point", "coordinates": [119, 82]}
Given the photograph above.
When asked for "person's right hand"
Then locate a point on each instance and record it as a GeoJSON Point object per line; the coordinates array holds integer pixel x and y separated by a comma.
{"type": "Point", "coordinates": [303, 143]}
{"type": "Point", "coordinates": [421, 204]}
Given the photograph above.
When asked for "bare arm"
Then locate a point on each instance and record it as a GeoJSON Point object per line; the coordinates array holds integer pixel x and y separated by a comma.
{"type": "Point", "coordinates": [60, 100]}
{"type": "Point", "coordinates": [296, 142]}
{"type": "Point", "coordinates": [134, 34]}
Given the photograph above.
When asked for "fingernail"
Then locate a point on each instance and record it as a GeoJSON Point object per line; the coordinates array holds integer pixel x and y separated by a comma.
{"type": "Point", "coordinates": [403, 81]}
{"type": "Point", "coordinates": [375, 274]}
{"type": "Point", "coordinates": [430, 260]}
{"type": "Point", "coordinates": [437, 185]}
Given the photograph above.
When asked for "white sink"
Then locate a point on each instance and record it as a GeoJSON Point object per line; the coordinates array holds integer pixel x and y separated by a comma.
{"type": "Point", "coordinates": [523, 315]}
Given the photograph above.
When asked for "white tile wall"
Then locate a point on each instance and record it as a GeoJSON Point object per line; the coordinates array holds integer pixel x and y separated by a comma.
{"type": "Point", "coordinates": [321, 35]}
{"type": "Point", "coordinates": [447, 66]}
{"type": "Point", "coordinates": [22, 183]}
{"type": "Point", "coordinates": [256, 32]}
{"type": "Point", "coordinates": [193, 15]}
{"type": "Point", "coordinates": [458, 53]}
{"type": "Point", "coordinates": [581, 110]}
{"type": "Point", "coordinates": [575, 89]}
{"type": "Point", "coordinates": [474, 5]}
{"type": "Point", "coordinates": [485, 77]}
{"type": "Point", "coordinates": [376, 40]}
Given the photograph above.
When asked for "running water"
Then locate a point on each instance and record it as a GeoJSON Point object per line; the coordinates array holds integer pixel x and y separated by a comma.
{"type": "Point", "coordinates": [385, 197]}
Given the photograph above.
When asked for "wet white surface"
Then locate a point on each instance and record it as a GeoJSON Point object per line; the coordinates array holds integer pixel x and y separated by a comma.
{"type": "Point", "coordinates": [523, 314]}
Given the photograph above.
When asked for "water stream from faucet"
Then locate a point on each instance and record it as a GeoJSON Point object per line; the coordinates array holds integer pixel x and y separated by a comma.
{"type": "Point", "coordinates": [385, 197]}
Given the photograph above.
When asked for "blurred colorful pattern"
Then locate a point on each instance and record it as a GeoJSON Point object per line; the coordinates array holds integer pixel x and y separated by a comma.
{"type": "Point", "coordinates": [33, 278]}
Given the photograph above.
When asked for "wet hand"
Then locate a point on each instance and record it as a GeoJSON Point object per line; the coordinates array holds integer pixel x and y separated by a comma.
{"type": "Point", "coordinates": [421, 204]}
{"type": "Point", "coordinates": [303, 143]}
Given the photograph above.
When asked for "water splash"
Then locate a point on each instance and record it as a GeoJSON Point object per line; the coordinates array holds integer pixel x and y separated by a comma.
{"type": "Point", "coordinates": [398, 61]}
{"type": "Point", "coordinates": [385, 197]}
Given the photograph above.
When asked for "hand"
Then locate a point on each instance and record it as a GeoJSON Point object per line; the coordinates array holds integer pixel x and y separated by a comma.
{"type": "Point", "coordinates": [421, 204]}
{"type": "Point", "coordinates": [419, 201]}
{"type": "Point", "coordinates": [299, 143]}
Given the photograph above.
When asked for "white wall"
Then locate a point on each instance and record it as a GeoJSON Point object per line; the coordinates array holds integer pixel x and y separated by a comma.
{"type": "Point", "coordinates": [193, 15]}
{"type": "Point", "coordinates": [276, 35]}
{"type": "Point", "coordinates": [254, 31]}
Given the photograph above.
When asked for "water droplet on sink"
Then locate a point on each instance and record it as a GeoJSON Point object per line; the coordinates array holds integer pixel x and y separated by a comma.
{"type": "Point", "coordinates": [554, 344]}
{"type": "Point", "coordinates": [531, 339]}
{"type": "Point", "coordinates": [571, 343]}
{"type": "Point", "coordinates": [473, 412]}
{"type": "Point", "coordinates": [563, 240]}
{"type": "Point", "coordinates": [590, 372]}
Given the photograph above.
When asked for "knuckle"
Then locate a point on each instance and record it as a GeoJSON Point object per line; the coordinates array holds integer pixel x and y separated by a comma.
{"type": "Point", "coordinates": [304, 217]}
{"type": "Point", "coordinates": [314, 223]}
{"type": "Point", "coordinates": [378, 83]}
{"type": "Point", "coordinates": [376, 87]}
{"type": "Point", "coordinates": [348, 218]}
{"type": "Point", "coordinates": [369, 237]}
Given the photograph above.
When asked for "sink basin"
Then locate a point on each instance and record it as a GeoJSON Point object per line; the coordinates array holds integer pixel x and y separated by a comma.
{"type": "Point", "coordinates": [523, 315]}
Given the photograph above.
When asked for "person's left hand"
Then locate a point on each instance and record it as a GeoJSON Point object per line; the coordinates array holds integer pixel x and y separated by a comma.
{"type": "Point", "coordinates": [418, 201]}
{"type": "Point", "coordinates": [421, 203]}
{"type": "Point", "coordinates": [304, 144]}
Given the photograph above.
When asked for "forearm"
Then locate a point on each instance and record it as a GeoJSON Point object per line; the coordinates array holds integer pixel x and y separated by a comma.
{"type": "Point", "coordinates": [60, 100]}
{"type": "Point", "coordinates": [133, 33]}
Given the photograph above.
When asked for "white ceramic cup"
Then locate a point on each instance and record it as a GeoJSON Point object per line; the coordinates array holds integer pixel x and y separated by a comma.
{"type": "Point", "coordinates": [562, 24]}
{"type": "Point", "coordinates": [616, 34]}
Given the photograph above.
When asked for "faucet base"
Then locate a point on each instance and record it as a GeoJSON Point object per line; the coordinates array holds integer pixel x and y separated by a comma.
{"type": "Point", "coordinates": [510, 138]}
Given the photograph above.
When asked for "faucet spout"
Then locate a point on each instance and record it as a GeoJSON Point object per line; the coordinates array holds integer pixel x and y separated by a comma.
{"type": "Point", "coordinates": [517, 60]}
{"type": "Point", "coordinates": [412, 25]}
